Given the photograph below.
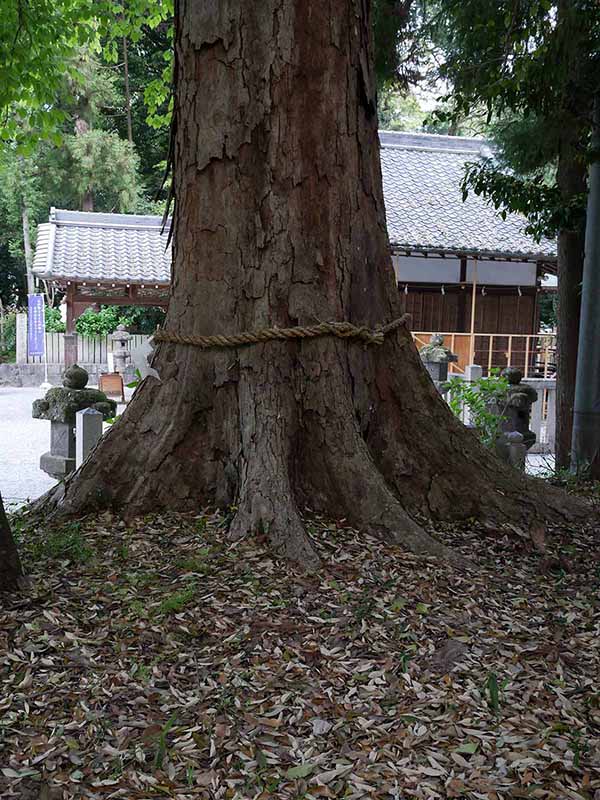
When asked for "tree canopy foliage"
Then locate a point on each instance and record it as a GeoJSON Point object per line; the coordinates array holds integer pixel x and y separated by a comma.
{"type": "Point", "coordinates": [63, 130]}
{"type": "Point", "coordinates": [534, 66]}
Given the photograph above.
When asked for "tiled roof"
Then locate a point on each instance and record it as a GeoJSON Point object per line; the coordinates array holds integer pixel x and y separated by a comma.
{"type": "Point", "coordinates": [78, 245]}
{"type": "Point", "coordinates": [422, 175]}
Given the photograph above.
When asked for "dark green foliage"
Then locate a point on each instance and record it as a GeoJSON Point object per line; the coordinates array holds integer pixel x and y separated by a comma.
{"type": "Point", "coordinates": [138, 319]}
{"type": "Point", "coordinates": [534, 67]}
{"type": "Point", "coordinates": [547, 304]}
{"type": "Point", "coordinates": [538, 199]}
{"type": "Point", "coordinates": [13, 288]}
{"type": "Point", "coordinates": [54, 323]}
{"type": "Point", "coordinates": [8, 336]}
{"type": "Point", "coordinates": [149, 59]}
{"type": "Point", "coordinates": [142, 319]}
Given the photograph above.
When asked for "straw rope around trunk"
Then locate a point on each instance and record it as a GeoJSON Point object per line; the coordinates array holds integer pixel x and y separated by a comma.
{"type": "Point", "coordinates": [343, 330]}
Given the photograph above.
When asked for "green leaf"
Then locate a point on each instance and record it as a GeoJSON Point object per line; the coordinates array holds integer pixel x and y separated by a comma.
{"type": "Point", "coordinates": [493, 691]}
{"type": "Point", "coordinates": [301, 771]}
{"type": "Point", "coordinates": [468, 747]}
{"type": "Point", "coordinates": [422, 608]}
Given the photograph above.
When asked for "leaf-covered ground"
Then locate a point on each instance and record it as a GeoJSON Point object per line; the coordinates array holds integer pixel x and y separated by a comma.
{"type": "Point", "coordinates": [154, 660]}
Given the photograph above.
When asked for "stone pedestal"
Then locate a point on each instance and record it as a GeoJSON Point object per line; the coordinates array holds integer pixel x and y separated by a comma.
{"type": "Point", "coordinates": [59, 406]}
{"type": "Point", "coordinates": [60, 460]}
{"type": "Point", "coordinates": [510, 448]}
{"type": "Point", "coordinates": [436, 357]}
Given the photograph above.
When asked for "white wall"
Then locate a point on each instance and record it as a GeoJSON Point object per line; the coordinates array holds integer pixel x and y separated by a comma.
{"type": "Point", "coordinates": [503, 273]}
{"type": "Point", "coordinates": [426, 270]}
{"type": "Point", "coordinates": [414, 269]}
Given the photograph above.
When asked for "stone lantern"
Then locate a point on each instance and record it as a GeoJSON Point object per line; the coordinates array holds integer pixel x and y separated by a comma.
{"type": "Point", "coordinates": [60, 405]}
{"type": "Point", "coordinates": [121, 353]}
{"type": "Point", "coordinates": [516, 438]}
{"type": "Point", "coordinates": [520, 398]}
{"type": "Point", "coordinates": [436, 357]}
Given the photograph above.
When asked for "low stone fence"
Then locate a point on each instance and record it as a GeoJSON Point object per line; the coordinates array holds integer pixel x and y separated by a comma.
{"type": "Point", "coordinates": [33, 375]}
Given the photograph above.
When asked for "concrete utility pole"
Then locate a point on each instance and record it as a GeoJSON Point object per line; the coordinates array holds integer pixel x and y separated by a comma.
{"type": "Point", "coordinates": [585, 445]}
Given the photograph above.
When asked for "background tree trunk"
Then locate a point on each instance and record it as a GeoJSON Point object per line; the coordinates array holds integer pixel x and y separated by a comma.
{"type": "Point", "coordinates": [571, 179]}
{"type": "Point", "coordinates": [127, 91]}
{"type": "Point", "coordinates": [570, 274]}
{"type": "Point", "coordinates": [11, 572]}
{"type": "Point", "coordinates": [27, 249]}
{"type": "Point", "coordinates": [280, 221]}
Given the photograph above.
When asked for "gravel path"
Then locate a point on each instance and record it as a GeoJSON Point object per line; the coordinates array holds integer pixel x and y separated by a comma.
{"type": "Point", "coordinates": [22, 442]}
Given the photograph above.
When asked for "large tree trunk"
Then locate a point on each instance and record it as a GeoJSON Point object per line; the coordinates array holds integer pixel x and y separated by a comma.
{"type": "Point", "coordinates": [11, 572]}
{"type": "Point", "coordinates": [280, 222]}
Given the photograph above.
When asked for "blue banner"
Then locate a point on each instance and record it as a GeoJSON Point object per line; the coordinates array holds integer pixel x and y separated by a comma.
{"type": "Point", "coordinates": [36, 325]}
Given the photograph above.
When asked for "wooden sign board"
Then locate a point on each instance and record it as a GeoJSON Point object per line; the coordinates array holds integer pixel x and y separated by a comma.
{"type": "Point", "coordinates": [111, 383]}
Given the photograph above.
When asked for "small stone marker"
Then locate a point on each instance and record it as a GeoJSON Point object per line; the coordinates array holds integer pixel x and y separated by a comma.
{"type": "Point", "coordinates": [60, 405]}
{"type": "Point", "coordinates": [88, 430]}
{"type": "Point", "coordinates": [473, 372]}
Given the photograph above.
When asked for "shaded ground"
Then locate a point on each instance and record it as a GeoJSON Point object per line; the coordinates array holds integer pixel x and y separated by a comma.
{"type": "Point", "coordinates": [156, 661]}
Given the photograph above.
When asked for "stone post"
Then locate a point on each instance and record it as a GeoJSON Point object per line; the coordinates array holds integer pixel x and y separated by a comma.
{"type": "Point", "coordinates": [88, 430]}
{"type": "Point", "coordinates": [21, 338]}
{"type": "Point", "coordinates": [551, 419]}
{"type": "Point", "coordinates": [473, 372]}
{"type": "Point", "coordinates": [60, 405]}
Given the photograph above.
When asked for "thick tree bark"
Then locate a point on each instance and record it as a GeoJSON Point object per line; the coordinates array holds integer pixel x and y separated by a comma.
{"type": "Point", "coordinates": [11, 572]}
{"type": "Point", "coordinates": [280, 221]}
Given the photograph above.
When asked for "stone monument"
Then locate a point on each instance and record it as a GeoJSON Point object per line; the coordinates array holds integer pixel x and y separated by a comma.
{"type": "Point", "coordinates": [60, 406]}
{"type": "Point", "coordinates": [436, 357]}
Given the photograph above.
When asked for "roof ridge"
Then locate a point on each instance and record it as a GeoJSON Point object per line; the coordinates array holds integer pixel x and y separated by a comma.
{"type": "Point", "coordinates": [428, 135]}
{"type": "Point", "coordinates": [419, 149]}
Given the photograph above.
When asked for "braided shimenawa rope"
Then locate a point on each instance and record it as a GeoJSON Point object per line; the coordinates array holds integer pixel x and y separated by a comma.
{"type": "Point", "coordinates": [343, 330]}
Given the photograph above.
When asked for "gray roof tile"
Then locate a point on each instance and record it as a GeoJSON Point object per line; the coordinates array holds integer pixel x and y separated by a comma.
{"type": "Point", "coordinates": [77, 245]}
{"type": "Point", "coordinates": [422, 175]}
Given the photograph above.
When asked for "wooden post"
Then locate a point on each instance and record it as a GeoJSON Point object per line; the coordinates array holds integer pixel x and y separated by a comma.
{"type": "Point", "coordinates": [473, 308]}
{"type": "Point", "coordinates": [70, 336]}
